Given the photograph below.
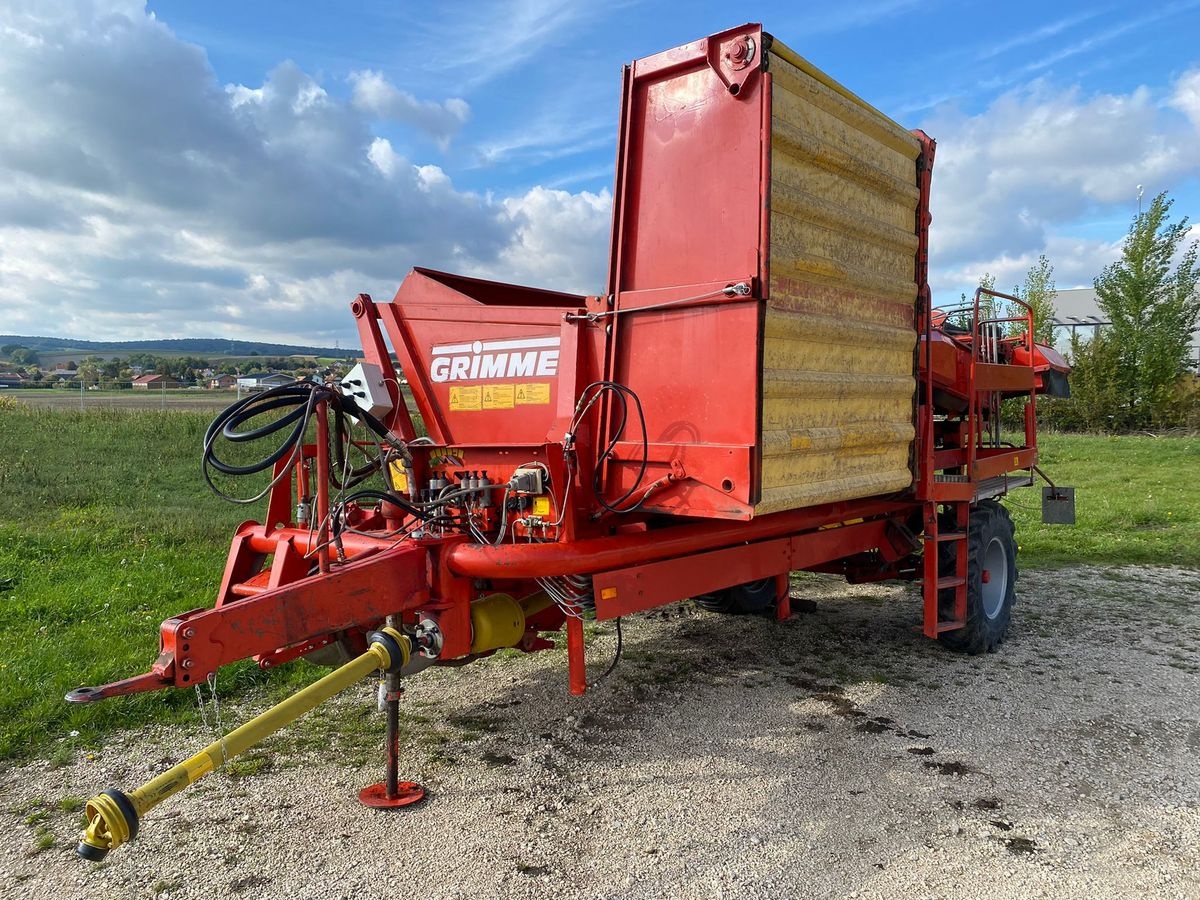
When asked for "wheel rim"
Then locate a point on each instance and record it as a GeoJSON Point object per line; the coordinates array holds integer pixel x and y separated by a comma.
{"type": "Point", "coordinates": [994, 582]}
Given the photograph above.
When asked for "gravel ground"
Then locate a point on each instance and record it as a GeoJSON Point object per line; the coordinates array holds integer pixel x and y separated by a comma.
{"type": "Point", "coordinates": [836, 754]}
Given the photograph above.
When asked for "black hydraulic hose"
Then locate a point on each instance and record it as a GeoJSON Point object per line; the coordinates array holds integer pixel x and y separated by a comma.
{"type": "Point", "coordinates": [386, 497]}
{"type": "Point", "coordinates": [299, 398]}
{"type": "Point", "coordinates": [242, 411]}
{"type": "Point", "coordinates": [229, 429]}
{"type": "Point", "coordinates": [353, 476]}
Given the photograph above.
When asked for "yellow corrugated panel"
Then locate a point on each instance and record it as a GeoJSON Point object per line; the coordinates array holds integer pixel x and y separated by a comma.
{"type": "Point", "coordinates": [839, 334]}
{"type": "Point", "coordinates": [797, 66]}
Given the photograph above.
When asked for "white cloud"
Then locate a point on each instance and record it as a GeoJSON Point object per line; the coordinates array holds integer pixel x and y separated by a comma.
{"type": "Point", "coordinates": [374, 94]}
{"type": "Point", "coordinates": [1016, 179]}
{"type": "Point", "coordinates": [1187, 96]}
{"type": "Point", "coordinates": [476, 43]}
{"type": "Point", "coordinates": [431, 178]}
{"type": "Point", "coordinates": [140, 197]}
{"type": "Point", "coordinates": [383, 157]}
{"type": "Point", "coordinates": [1077, 261]}
{"type": "Point", "coordinates": [560, 240]}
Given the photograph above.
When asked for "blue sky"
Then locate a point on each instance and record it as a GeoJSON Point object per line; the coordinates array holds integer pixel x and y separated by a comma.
{"type": "Point", "coordinates": [243, 169]}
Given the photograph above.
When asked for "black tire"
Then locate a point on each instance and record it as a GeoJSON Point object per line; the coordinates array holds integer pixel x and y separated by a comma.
{"type": "Point", "coordinates": [754, 598]}
{"type": "Point", "coordinates": [991, 580]}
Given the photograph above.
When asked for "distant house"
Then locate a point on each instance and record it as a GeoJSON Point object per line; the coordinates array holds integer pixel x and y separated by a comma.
{"type": "Point", "coordinates": [11, 379]}
{"type": "Point", "coordinates": [157, 382]}
{"type": "Point", "coordinates": [222, 383]}
{"type": "Point", "coordinates": [262, 382]}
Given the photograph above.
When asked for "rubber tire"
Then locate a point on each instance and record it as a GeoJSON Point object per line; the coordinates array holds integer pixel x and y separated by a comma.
{"type": "Point", "coordinates": [754, 598]}
{"type": "Point", "coordinates": [989, 525]}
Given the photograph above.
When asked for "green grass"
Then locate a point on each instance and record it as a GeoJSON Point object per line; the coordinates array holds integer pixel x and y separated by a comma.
{"type": "Point", "coordinates": [106, 529]}
{"type": "Point", "coordinates": [1137, 501]}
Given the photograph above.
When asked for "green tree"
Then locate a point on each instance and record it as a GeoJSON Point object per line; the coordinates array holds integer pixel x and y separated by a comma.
{"type": "Point", "coordinates": [88, 371]}
{"type": "Point", "coordinates": [1150, 297]}
{"type": "Point", "coordinates": [1038, 291]}
{"type": "Point", "coordinates": [1096, 402]}
{"type": "Point", "coordinates": [962, 318]}
{"type": "Point", "coordinates": [23, 356]}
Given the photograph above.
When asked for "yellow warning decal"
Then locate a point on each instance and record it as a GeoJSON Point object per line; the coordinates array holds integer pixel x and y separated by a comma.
{"type": "Point", "coordinates": [398, 476]}
{"type": "Point", "coordinates": [541, 506]}
{"type": "Point", "coordinates": [464, 399]}
{"type": "Point", "coordinates": [497, 396]}
{"type": "Point", "coordinates": [535, 394]}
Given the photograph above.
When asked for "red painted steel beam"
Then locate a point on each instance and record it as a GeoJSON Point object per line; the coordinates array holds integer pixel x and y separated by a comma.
{"type": "Point", "coordinates": [592, 555]}
{"type": "Point", "coordinates": [644, 587]}
{"type": "Point", "coordinates": [1003, 461]}
{"type": "Point", "coordinates": [357, 593]}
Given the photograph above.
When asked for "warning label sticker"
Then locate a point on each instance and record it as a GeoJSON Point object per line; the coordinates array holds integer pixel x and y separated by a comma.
{"type": "Point", "coordinates": [498, 396]}
{"type": "Point", "coordinates": [536, 394]}
{"type": "Point", "coordinates": [465, 399]}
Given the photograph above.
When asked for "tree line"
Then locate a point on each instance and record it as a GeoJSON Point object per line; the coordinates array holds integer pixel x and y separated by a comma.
{"type": "Point", "coordinates": [187, 370]}
{"type": "Point", "coordinates": [1137, 373]}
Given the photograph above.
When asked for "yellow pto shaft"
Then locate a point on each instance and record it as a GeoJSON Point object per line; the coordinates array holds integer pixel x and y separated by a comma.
{"type": "Point", "coordinates": [113, 815]}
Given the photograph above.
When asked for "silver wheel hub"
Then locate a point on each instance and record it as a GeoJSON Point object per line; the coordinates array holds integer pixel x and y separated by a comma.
{"type": "Point", "coordinates": [994, 578]}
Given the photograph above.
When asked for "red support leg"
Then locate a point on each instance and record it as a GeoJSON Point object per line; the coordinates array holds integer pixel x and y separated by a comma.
{"type": "Point", "coordinates": [783, 596]}
{"type": "Point", "coordinates": [576, 667]}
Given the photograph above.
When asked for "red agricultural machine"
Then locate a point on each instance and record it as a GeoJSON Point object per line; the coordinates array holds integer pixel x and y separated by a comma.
{"type": "Point", "coordinates": [764, 387]}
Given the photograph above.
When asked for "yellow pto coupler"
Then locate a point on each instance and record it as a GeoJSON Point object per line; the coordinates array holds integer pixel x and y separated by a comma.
{"type": "Point", "coordinates": [113, 816]}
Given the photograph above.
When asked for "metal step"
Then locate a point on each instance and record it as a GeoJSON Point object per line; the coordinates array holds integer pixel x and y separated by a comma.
{"type": "Point", "coordinates": [1000, 484]}
{"type": "Point", "coordinates": [951, 536]}
{"type": "Point", "coordinates": [950, 625]}
{"type": "Point", "coordinates": [950, 581]}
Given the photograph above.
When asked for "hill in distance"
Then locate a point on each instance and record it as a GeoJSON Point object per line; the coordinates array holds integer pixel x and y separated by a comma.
{"type": "Point", "coordinates": [211, 347]}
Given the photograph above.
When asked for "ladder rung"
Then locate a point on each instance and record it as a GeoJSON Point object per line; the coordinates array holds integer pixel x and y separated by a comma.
{"type": "Point", "coordinates": [951, 535]}
{"type": "Point", "coordinates": [950, 581]}
{"type": "Point", "coordinates": [951, 625]}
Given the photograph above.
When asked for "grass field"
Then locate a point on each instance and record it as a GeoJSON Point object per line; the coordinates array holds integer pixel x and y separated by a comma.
{"type": "Point", "coordinates": [106, 529]}
{"type": "Point", "coordinates": [59, 398]}
{"type": "Point", "coordinates": [1137, 501]}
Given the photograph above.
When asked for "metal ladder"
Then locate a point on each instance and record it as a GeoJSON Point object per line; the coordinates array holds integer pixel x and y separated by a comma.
{"type": "Point", "coordinates": [933, 582]}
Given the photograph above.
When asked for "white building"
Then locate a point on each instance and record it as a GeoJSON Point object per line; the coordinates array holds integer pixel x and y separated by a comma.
{"type": "Point", "coordinates": [1078, 311]}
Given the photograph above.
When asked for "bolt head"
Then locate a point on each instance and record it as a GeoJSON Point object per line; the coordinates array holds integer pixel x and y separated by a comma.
{"type": "Point", "coordinates": [188, 663]}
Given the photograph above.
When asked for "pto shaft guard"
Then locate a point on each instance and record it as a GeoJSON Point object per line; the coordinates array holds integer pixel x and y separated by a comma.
{"type": "Point", "coordinates": [114, 816]}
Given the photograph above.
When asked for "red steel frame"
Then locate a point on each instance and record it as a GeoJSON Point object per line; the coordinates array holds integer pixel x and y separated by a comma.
{"type": "Point", "coordinates": [315, 591]}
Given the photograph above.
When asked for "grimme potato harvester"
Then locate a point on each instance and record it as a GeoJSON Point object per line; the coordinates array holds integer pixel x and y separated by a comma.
{"type": "Point", "coordinates": [764, 387]}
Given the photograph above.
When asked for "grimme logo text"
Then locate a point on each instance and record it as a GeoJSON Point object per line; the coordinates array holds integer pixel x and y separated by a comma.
{"type": "Point", "coordinates": [520, 358]}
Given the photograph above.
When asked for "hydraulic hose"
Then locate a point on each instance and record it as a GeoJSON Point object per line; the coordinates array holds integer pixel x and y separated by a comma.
{"type": "Point", "coordinates": [114, 816]}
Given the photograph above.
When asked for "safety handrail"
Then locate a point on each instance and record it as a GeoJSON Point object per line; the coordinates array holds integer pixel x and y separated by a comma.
{"type": "Point", "coordinates": [991, 326]}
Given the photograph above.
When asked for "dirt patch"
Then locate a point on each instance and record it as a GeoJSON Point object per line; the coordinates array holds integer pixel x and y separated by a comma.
{"type": "Point", "coordinates": [837, 753]}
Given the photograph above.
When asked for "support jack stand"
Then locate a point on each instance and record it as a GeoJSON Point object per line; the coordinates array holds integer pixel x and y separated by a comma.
{"type": "Point", "coordinates": [391, 793]}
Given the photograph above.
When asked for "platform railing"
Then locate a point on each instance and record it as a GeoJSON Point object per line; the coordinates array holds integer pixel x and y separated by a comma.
{"type": "Point", "coordinates": [986, 336]}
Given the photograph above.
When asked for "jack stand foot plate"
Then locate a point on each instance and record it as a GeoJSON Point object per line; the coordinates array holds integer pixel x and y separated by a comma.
{"type": "Point", "coordinates": [407, 793]}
